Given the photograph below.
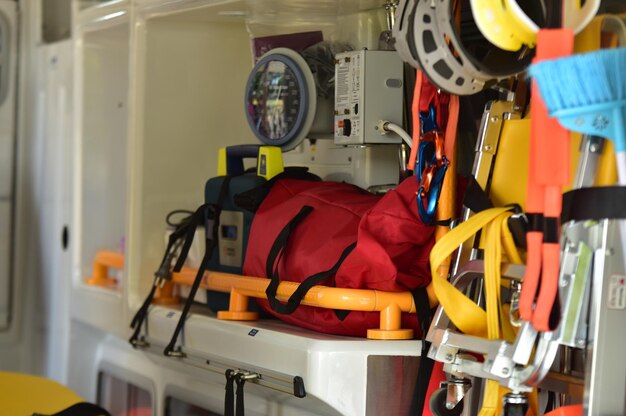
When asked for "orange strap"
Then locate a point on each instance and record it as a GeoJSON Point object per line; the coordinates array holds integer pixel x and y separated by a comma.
{"type": "Point", "coordinates": [548, 174]}
{"type": "Point", "coordinates": [417, 128]}
{"type": "Point", "coordinates": [446, 208]}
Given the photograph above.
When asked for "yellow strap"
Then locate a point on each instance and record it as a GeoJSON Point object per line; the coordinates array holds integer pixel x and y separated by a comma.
{"type": "Point", "coordinates": [468, 317]}
{"type": "Point", "coordinates": [491, 398]}
{"type": "Point", "coordinates": [492, 279]}
{"type": "Point", "coordinates": [464, 313]}
{"type": "Point", "coordinates": [494, 240]}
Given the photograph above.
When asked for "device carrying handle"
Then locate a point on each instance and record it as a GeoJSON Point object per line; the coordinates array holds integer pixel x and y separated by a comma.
{"type": "Point", "coordinates": [274, 257]}
{"type": "Point", "coordinates": [236, 154]}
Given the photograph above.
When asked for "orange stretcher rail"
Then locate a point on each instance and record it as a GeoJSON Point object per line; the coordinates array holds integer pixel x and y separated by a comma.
{"type": "Point", "coordinates": [241, 288]}
{"type": "Point", "coordinates": [389, 304]}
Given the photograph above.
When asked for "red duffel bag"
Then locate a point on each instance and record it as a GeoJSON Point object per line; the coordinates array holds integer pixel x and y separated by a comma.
{"type": "Point", "coordinates": [339, 235]}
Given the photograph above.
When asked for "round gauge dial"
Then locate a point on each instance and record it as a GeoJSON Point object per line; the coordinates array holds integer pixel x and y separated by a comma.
{"type": "Point", "coordinates": [280, 98]}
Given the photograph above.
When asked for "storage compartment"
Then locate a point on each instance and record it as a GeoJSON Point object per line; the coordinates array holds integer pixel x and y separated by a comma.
{"type": "Point", "coordinates": [121, 397]}
{"type": "Point", "coordinates": [104, 143]}
{"type": "Point", "coordinates": [192, 68]}
{"type": "Point", "coordinates": [299, 372]}
{"type": "Point", "coordinates": [101, 167]}
{"type": "Point", "coordinates": [179, 407]}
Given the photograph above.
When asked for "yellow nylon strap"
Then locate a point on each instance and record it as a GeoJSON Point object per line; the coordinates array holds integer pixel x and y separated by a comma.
{"type": "Point", "coordinates": [491, 399]}
{"type": "Point", "coordinates": [464, 313]}
{"type": "Point", "coordinates": [498, 237]}
{"type": "Point", "coordinates": [468, 317]}
{"type": "Point", "coordinates": [492, 280]}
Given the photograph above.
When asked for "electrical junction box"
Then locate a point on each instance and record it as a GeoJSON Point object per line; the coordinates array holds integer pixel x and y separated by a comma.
{"type": "Point", "coordinates": [364, 166]}
{"type": "Point", "coordinates": [368, 89]}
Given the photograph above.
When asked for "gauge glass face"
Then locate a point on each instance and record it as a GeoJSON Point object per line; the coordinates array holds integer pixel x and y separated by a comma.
{"type": "Point", "coordinates": [274, 100]}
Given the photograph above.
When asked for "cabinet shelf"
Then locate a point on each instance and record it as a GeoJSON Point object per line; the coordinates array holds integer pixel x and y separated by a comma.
{"type": "Point", "coordinates": [341, 372]}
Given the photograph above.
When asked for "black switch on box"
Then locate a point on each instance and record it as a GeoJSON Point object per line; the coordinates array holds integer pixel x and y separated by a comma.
{"type": "Point", "coordinates": [347, 127]}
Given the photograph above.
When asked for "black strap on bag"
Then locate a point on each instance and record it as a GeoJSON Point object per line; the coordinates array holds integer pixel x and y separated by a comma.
{"type": "Point", "coordinates": [274, 257]}
{"type": "Point", "coordinates": [212, 221]}
{"type": "Point", "coordinates": [181, 238]}
{"type": "Point", "coordinates": [252, 199]}
{"type": "Point", "coordinates": [424, 316]}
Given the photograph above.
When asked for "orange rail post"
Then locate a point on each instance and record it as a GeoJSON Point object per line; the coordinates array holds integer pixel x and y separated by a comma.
{"type": "Point", "coordinates": [101, 264]}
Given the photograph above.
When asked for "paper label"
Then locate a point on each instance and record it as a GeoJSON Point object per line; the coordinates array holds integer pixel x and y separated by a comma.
{"type": "Point", "coordinates": [617, 292]}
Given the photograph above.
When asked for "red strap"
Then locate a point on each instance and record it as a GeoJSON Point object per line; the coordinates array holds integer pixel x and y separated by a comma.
{"type": "Point", "coordinates": [428, 95]}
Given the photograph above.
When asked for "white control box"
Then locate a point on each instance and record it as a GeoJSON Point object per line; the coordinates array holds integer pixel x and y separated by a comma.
{"type": "Point", "coordinates": [368, 88]}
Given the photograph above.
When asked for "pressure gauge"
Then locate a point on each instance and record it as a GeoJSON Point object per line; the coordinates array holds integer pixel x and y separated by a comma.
{"type": "Point", "coordinates": [281, 98]}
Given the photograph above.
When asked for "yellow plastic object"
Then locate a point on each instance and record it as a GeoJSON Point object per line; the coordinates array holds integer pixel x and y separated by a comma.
{"type": "Point", "coordinates": [504, 23]}
{"type": "Point", "coordinates": [270, 162]}
{"type": "Point", "coordinates": [221, 162]}
{"type": "Point", "coordinates": [22, 394]}
{"type": "Point", "coordinates": [101, 264]}
{"type": "Point", "coordinates": [501, 27]}
{"type": "Point", "coordinates": [510, 171]}
{"type": "Point", "coordinates": [390, 304]}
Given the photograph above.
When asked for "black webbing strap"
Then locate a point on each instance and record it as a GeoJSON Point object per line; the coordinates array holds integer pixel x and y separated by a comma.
{"type": "Point", "coordinates": [273, 260]}
{"type": "Point", "coordinates": [229, 395]}
{"type": "Point", "coordinates": [240, 409]}
{"type": "Point", "coordinates": [424, 316]}
{"type": "Point", "coordinates": [594, 203]}
{"type": "Point", "coordinates": [140, 316]}
{"type": "Point", "coordinates": [197, 220]}
{"type": "Point", "coordinates": [280, 243]}
{"type": "Point", "coordinates": [186, 229]}
{"type": "Point", "coordinates": [252, 199]}
{"type": "Point", "coordinates": [80, 409]}
{"type": "Point", "coordinates": [475, 197]}
{"type": "Point", "coordinates": [212, 221]}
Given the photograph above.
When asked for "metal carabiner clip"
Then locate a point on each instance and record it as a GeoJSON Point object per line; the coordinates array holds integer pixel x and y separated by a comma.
{"type": "Point", "coordinates": [431, 170]}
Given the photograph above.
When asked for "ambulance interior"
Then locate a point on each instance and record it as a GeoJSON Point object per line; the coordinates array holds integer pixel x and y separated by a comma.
{"type": "Point", "coordinates": [115, 114]}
